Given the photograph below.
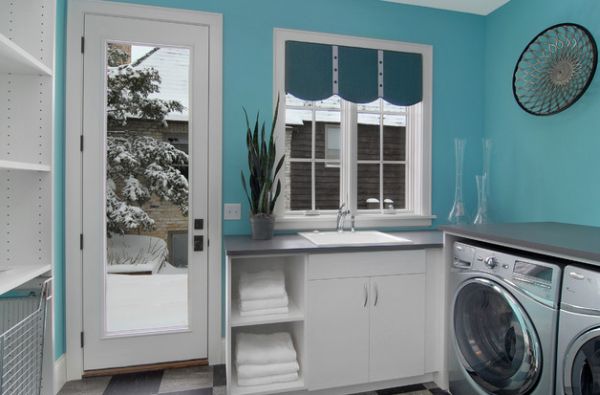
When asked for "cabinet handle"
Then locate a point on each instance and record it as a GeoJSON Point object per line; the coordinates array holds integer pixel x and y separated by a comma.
{"type": "Point", "coordinates": [366, 296]}
{"type": "Point", "coordinates": [376, 295]}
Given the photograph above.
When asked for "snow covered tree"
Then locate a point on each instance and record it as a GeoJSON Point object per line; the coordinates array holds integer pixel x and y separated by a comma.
{"type": "Point", "coordinates": [138, 166]}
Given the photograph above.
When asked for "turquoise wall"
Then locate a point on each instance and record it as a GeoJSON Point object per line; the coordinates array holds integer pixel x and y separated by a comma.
{"type": "Point", "coordinates": [458, 42]}
{"type": "Point", "coordinates": [59, 181]}
{"type": "Point", "coordinates": [543, 168]}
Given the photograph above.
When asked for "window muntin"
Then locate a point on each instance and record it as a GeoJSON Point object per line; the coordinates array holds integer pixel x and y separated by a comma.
{"type": "Point", "coordinates": [311, 173]}
{"type": "Point", "coordinates": [381, 157]}
{"type": "Point", "coordinates": [315, 151]}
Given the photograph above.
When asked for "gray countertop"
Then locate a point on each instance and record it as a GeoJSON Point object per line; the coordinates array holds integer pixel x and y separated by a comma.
{"type": "Point", "coordinates": [287, 244]}
{"type": "Point", "coordinates": [575, 242]}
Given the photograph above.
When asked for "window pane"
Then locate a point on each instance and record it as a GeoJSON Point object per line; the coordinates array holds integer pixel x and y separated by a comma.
{"type": "Point", "coordinates": [389, 107]}
{"type": "Point", "coordinates": [368, 186]}
{"type": "Point", "coordinates": [368, 137]}
{"type": "Point", "coordinates": [333, 102]}
{"type": "Point", "coordinates": [327, 135]}
{"type": "Point", "coordinates": [327, 186]}
{"type": "Point", "coordinates": [394, 186]}
{"type": "Point", "coordinates": [373, 106]}
{"type": "Point", "coordinates": [394, 142]}
{"type": "Point", "coordinates": [291, 100]}
{"type": "Point", "coordinates": [300, 186]}
{"type": "Point", "coordinates": [298, 133]}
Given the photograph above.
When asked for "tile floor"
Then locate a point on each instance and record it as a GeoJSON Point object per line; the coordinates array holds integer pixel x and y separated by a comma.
{"type": "Point", "coordinates": [202, 380]}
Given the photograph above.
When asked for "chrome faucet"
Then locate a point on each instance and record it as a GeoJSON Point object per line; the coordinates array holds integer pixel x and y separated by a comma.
{"type": "Point", "coordinates": [341, 216]}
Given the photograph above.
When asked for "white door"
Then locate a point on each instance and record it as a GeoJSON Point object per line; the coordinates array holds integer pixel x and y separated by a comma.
{"type": "Point", "coordinates": [338, 332]}
{"type": "Point", "coordinates": [397, 327]}
{"type": "Point", "coordinates": [145, 161]}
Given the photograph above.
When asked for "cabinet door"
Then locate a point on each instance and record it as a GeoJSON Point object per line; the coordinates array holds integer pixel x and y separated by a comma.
{"type": "Point", "coordinates": [397, 335]}
{"type": "Point", "coordinates": [338, 332]}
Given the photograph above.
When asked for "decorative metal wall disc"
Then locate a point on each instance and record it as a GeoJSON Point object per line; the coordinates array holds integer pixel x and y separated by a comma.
{"type": "Point", "coordinates": [555, 69]}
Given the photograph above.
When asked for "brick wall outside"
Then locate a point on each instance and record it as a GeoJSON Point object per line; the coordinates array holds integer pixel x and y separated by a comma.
{"type": "Point", "coordinates": [167, 216]}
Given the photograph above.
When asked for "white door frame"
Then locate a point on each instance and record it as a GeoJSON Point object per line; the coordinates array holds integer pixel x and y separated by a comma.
{"type": "Point", "coordinates": [73, 175]}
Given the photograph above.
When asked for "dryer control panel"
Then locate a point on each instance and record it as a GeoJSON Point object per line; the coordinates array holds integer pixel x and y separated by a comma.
{"type": "Point", "coordinates": [536, 278]}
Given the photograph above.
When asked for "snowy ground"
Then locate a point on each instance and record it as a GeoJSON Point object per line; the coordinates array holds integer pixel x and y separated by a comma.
{"type": "Point", "coordinates": [138, 302]}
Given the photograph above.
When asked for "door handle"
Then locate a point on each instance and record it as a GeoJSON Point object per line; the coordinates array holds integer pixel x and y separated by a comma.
{"type": "Point", "coordinates": [198, 243]}
{"type": "Point", "coordinates": [376, 294]}
{"type": "Point", "coordinates": [366, 295]}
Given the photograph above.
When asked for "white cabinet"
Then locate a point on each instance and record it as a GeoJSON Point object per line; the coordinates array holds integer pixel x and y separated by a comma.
{"type": "Point", "coordinates": [365, 318]}
{"type": "Point", "coordinates": [359, 320]}
{"type": "Point", "coordinates": [338, 332]}
{"type": "Point", "coordinates": [397, 330]}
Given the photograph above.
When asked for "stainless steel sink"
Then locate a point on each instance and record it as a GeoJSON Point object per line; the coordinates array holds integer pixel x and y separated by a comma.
{"type": "Point", "coordinates": [366, 237]}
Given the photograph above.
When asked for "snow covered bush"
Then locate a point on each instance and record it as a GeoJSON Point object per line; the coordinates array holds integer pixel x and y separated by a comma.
{"type": "Point", "coordinates": [138, 166]}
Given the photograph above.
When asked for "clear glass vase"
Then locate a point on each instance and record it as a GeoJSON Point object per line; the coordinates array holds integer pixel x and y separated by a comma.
{"type": "Point", "coordinates": [457, 214]}
{"type": "Point", "coordinates": [487, 158]}
{"type": "Point", "coordinates": [482, 200]}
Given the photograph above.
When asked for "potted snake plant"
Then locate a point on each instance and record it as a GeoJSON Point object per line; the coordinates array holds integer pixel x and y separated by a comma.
{"type": "Point", "coordinates": [262, 175]}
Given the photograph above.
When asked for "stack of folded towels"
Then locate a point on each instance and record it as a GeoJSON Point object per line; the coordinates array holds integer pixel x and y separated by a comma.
{"type": "Point", "coordinates": [263, 293]}
{"type": "Point", "coordinates": [263, 359]}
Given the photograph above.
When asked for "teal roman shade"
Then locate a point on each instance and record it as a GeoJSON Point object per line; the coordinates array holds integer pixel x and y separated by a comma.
{"type": "Point", "coordinates": [360, 75]}
{"type": "Point", "coordinates": [308, 73]}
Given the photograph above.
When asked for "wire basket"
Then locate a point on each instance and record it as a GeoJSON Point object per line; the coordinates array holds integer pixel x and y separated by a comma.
{"type": "Point", "coordinates": [22, 330]}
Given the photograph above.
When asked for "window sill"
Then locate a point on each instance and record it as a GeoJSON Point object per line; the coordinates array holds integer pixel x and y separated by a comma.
{"type": "Point", "coordinates": [328, 222]}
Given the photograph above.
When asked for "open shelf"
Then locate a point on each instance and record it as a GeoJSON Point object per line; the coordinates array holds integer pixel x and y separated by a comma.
{"type": "Point", "coordinates": [276, 388]}
{"type": "Point", "coordinates": [14, 165]}
{"type": "Point", "coordinates": [13, 276]}
{"type": "Point", "coordinates": [294, 314]}
{"type": "Point", "coordinates": [14, 59]}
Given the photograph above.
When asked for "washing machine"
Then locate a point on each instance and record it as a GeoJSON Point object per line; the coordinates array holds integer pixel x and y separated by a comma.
{"type": "Point", "coordinates": [503, 323]}
{"type": "Point", "coordinates": [578, 362]}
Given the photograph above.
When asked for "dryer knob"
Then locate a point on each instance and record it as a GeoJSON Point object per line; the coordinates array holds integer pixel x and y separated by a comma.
{"type": "Point", "coordinates": [490, 262]}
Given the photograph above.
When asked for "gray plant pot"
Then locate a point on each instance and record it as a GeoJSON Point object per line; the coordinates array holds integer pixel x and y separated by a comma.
{"type": "Point", "coordinates": [262, 226]}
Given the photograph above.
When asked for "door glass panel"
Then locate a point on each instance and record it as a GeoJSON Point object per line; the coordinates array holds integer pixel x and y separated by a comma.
{"type": "Point", "coordinates": [496, 349]}
{"type": "Point", "coordinates": [585, 376]}
{"type": "Point", "coordinates": [147, 191]}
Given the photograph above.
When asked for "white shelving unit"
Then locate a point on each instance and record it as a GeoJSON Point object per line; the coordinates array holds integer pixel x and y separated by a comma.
{"type": "Point", "coordinates": [26, 129]}
{"type": "Point", "coordinates": [26, 117]}
{"type": "Point", "coordinates": [294, 267]}
{"type": "Point", "coordinates": [14, 59]}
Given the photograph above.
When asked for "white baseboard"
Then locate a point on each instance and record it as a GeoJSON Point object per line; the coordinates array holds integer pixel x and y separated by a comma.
{"type": "Point", "coordinates": [60, 373]}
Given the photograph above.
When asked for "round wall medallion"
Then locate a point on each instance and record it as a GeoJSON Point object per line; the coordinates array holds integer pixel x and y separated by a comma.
{"type": "Point", "coordinates": [555, 69]}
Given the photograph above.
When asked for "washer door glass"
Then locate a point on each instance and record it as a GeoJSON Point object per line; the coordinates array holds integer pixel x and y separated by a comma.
{"type": "Point", "coordinates": [497, 343]}
{"type": "Point", "coordinates": [585, 372]}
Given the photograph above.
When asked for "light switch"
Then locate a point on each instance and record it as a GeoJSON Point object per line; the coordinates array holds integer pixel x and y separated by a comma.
{"type": "Point", "coordinates": [232, 211]}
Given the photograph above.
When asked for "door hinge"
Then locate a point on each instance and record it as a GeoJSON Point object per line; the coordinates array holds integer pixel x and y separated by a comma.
{"type": "Point", "coordinates": [82, 44]}
{"type": "Point", "coordinates": [82, 339]}
{"type": "Point", "coordinates": [81, 143]}
{"type": "Point", "coordinates": [81, 241]}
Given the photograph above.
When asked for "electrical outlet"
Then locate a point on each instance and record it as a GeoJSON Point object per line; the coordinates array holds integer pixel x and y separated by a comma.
{"type": "Point", "coordinates": [232, 211]}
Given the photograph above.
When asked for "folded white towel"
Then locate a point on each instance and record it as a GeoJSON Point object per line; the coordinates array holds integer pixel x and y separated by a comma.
{"type": "Point", "coordinates": [284, 378]}
{"type": "Point", "coordinates": [268, 284]}
{"type": "Point", "coordinates": [256, 349]}
{"type": "Point", "coordinates": [272, 369]}
{"type": "Point", "coordinates": [274, 310]}
{"type": "Point", "coordinates": [262, 304]}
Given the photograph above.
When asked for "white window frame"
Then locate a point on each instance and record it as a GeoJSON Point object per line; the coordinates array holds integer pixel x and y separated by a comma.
{"type": "Point", "coordinates": [418, 143]}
